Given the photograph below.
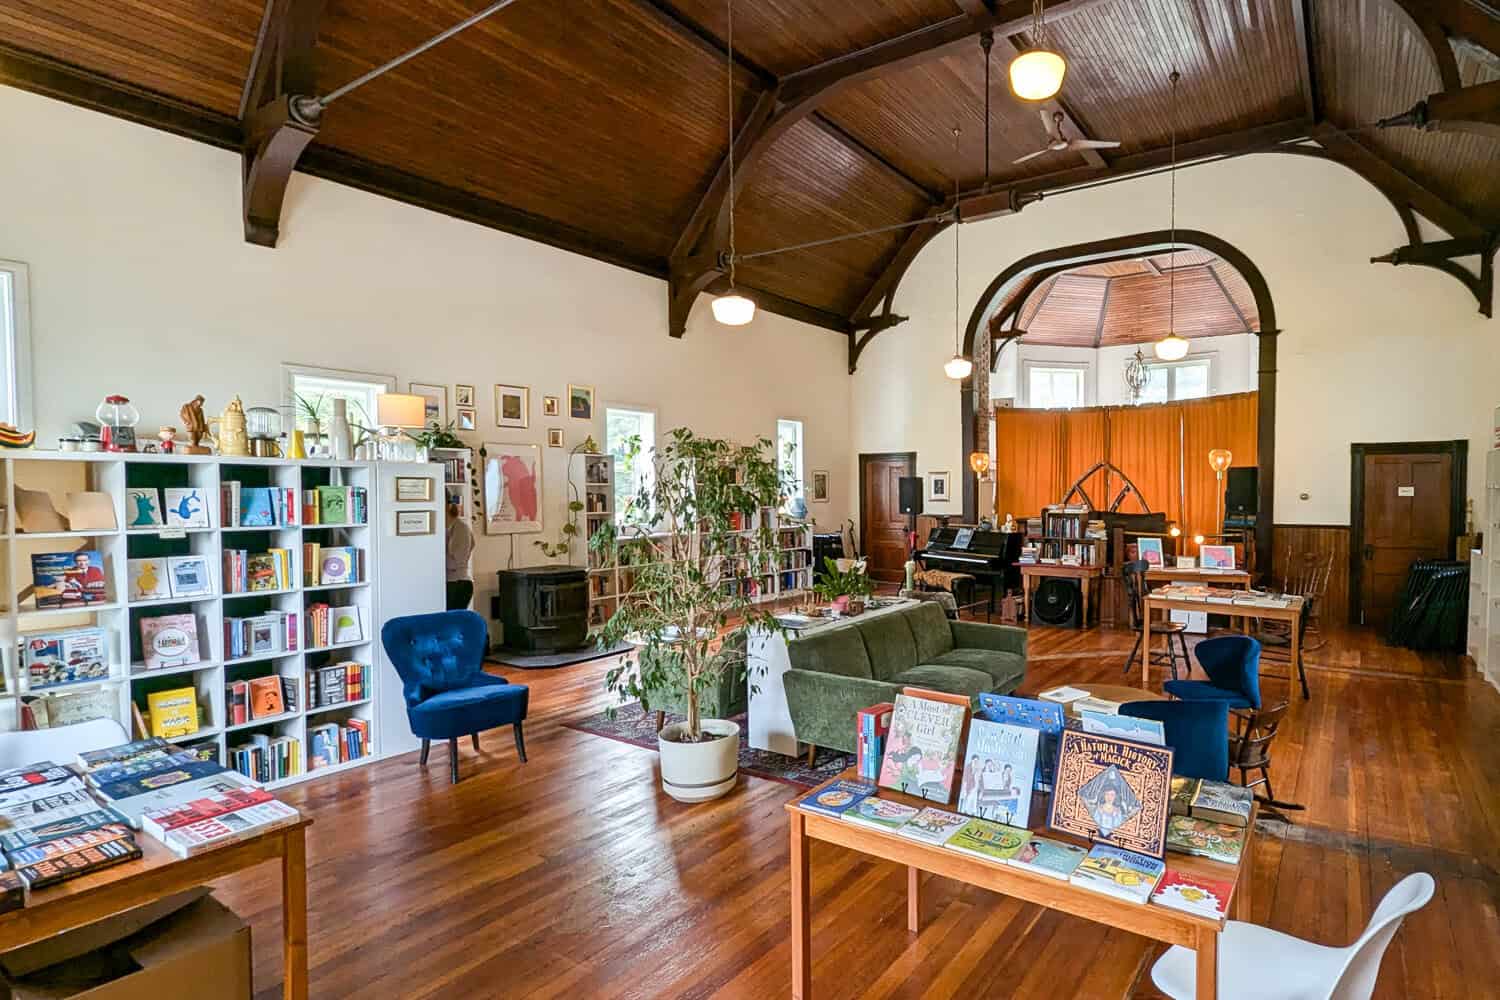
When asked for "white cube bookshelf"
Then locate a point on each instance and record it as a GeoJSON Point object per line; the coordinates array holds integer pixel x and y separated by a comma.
{"type": "Point", "coordinates": [411, 584]}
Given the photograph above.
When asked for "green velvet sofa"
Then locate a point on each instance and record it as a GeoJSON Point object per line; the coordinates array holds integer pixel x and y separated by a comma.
{"type": "Point", "coordinates": [835, 672]}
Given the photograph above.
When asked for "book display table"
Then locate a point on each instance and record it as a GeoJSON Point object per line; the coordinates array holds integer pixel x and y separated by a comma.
{"type": "Point", "coordinates": [1159, 923]}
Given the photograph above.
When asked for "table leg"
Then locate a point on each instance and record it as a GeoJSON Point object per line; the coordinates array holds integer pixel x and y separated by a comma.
{"type": "Point", "coordinates": [1146, 647]}
{"type": "Point", "coordinates": [294, 915]}
{"type": "Point", "coordinates": [801, 921]}
{"type": "Point", "coordinates": [1084, 586]}
{"type": "Point", "coordinates": [913, 899]}
{"type": "Point", "coordinates": [1026, 597]}
{"type": "Point", "coordinates": [1208, 966]}
{"type": "Point", "coordinates": [1242, 890]}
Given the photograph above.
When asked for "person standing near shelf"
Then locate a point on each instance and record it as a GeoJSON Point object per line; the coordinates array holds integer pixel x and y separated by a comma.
{"type": "Point", "coordinates": [460, 550]}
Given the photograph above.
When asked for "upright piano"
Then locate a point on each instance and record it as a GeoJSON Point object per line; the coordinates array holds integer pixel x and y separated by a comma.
{"type": "Point", "coordinates": [988, 556]}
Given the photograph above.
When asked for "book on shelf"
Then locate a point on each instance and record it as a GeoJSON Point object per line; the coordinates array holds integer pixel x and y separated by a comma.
{"type": "Point", "coordinates": [237, 702]}
{"type": "Point", "coordinates": [52, 711]}
{"type": "Point", "coordinates": [68, 579]}
{"type": "Point", "coordinates": [1051, 858]}
{"type": "Point", "coordinates": [66, 656]}
{"type": "Point", "coordinates": [1126, 875]}
{"type": "Point", "coordinates": [142, 507]}
{"type": "Point", "coordinates": [1206, 839]}
{"type": "Point", "coordinates": [185, 507]}
{"type": "Point", "coordinates": [1204, 897]}
{"type": "Point", "coordinates": [1124, 727]}
{"type": "Point", "coordinates": [264, 758]}
{"type": "Point", "coordinates": [872, 726]}
{"type": "Point", "coordinates": [256, 506]}
{"type": "Point", "coordinates": [999, 772]}
{"type": "Point", "coordinates": [265, 697]}
{"type": "Point", "coordinates": [990, 841]}
{"type": "Point", "coordinates": [1222, 802]}
{"type": "Point", "coordinates": [331, 743]}
{"type": "Point", "coordinates": [882, 814]}
{"type": "Point", "coordinates": [337, 684]}
{"type": "Point", "coordinates": [188, 577]}
{"type": "Point", "coordinates": [837, 798]}
{"type": "Point", "coordinates": [331, 565]}
{"type": "Point", "coordinates": [173, 713]}
{"type": "Point", "coordinates": [329, 625]}
{"type": "Point", "coordinates": [1043, 716]}
{"type": "Point", "coordinates": [289, 698]}
{"type": "Point", "coordinates": [1112, 790]}
{"type": "Point", "coordinates": [933, 826]}
{"type": "Point", "coordinates": [335, 505]}
{"type": "Point", "coordinates": [148, 579]}
{"type": "Point", "coordinates": [261, 635]}
{"type": "Point", "coordinates": [922, 749]}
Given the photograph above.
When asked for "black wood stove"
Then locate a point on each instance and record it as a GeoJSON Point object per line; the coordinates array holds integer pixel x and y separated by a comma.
{"type": "Point", "coordinates": [544, 609]}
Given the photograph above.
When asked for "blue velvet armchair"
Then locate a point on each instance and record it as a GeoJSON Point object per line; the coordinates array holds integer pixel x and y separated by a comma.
{"type": "Point", "coordinates": [440, 658]}
{"type": "Point", "coordinates": [1232, 663]}
{"type": "Point", "coordinates": [1197, 732]}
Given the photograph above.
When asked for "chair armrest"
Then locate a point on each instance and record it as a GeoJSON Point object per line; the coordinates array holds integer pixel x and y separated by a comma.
{"type": "Point", "coordinates": [823, 706]}
{"type": "Point", "coordinates": [978, 635]}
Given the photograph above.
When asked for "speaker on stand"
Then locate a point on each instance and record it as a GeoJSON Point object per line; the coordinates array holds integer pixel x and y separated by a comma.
{"type": "Point", "coordinates": [909, 499]}
{"type": "Point", "coordinates": [1058, 601]}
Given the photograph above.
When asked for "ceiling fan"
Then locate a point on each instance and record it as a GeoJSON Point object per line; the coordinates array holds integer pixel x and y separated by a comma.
{"type": "Point", "coordinates": [1056, 143]}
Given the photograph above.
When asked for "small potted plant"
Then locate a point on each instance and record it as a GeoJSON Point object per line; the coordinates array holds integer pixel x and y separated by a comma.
{"type": "Point", "coordinates": [846, 589]}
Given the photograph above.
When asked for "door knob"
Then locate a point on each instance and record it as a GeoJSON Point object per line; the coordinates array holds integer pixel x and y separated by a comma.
{"type": "Point", "coordinates": [1369, 552]}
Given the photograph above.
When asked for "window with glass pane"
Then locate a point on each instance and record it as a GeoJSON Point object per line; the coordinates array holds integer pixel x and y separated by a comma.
{"type": "Point", "coordinates": [1055, 388]}
{"type": "Point", "coordinates": [311, 391]}
{"type": "Point", "coordinates": [630, 436]}
{"type": "Point", "coordinates": [1188, 380]}
{"type": "Point", "coordinates": [1156, 389]}
{"type": "Point", "coordinates": [789, 457]}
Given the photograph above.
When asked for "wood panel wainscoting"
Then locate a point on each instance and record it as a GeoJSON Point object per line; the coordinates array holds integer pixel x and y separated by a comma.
{"type": "Point", "coordinates": [1294, 541]}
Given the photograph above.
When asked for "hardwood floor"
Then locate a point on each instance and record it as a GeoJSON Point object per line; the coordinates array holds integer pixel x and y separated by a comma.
{"type": "Point", "coordinates": [574, 876]}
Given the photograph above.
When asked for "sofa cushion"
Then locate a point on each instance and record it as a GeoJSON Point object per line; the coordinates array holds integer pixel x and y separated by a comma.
{"type": "Point", "coordinates": [838, 651]}
{"type": "Point", "coordinates": [949, 679]}
{"type": "Point", "coordinates": [929, 627]}
{"type": "Point", "coordinates": [1003, 668]}
{"type": "Point", "coordinates": [889, 644]}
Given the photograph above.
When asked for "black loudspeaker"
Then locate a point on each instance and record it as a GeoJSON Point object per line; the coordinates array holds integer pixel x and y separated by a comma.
{"type": "Point", "coordinates": [1058, 601]}
{"type": "Point", "coordinates": [1240, 491]}
{"type": "Point", "coordinates": [911, 494]}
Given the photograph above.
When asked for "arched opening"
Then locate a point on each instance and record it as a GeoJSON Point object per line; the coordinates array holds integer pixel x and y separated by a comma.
{"type": "Point", "coordinates": [1013, 287]}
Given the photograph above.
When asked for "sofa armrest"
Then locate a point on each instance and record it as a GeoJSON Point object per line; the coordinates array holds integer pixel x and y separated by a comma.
{"type": "Point", "coordinates": [978, 635]}
{"type": "Point", "coordinates": [823, 706]}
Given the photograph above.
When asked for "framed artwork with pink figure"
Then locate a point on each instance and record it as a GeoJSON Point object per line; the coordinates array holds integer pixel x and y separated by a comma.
{"type": "Point", "coordinates": [512, 488]}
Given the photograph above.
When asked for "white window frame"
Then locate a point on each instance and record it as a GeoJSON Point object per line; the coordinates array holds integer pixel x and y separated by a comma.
{"type": "Point", "coordinates": [800, 471]}
{"type": "Point", "coordinates": [1205, 360]}
{"type": "Point", "coordinates": [289, 371]}
{"type": "Point", "coordinates": [1085, 368]}
{"type": "Point", "coordinates": [15, 341]}
{"type": "Point", "coordinates": [648, 448]}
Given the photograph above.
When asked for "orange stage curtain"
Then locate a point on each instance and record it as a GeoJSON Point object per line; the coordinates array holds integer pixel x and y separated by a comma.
{"type": "Point", "coordinates": [1145, 443]}
{"type": "Point", "coordinates": [1085, 443]}
{"type": "Point", "coordinates": [1218, 422]}
{"type": "Point", "coordinates": [1028, 460]}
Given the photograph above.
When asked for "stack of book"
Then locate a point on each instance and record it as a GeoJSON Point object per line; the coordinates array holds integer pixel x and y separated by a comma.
{"type": "Point", "coordinates": [259, 698]}
{"type": "Point", "coordinates": [215, 820]}
{"type": "Point", "coordinates": [266, 758]}
{"type": "Point", "coordinates": [874, 723]}
{"type": "Point", "coordinates": [256, 506]}
{"type": "Point", "coordinates": [330, 626]}
{"type": "Point", "coordinates": [152, 774]}
{"type": "Point", "coordinates": [324, 505]}
{"type": "Point", "coordinates": [259, 572]}
{"type": "Point", "coordinates": [337, 684]}
{"type": "Point", "coordinates": [334, 744]}
{"type": "Point", "coordinates": [260, 635]}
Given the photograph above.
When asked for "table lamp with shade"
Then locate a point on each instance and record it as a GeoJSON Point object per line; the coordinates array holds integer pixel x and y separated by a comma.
{"type": "Point", "coordinates": [1218, 460]}
{"type": "Point", "coordinates": [399, 414]}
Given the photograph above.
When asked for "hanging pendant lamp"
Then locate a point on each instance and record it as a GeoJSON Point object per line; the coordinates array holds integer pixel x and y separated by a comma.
{"type": "Point", "coordinates": [1037, 74]}
{"type": "Point", "coordinates": [732, 308]}
{"type": "Point", "coordinates": [1172, 347]}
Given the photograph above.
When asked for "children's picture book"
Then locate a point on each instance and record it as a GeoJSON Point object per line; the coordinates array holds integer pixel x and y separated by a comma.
{"type": "Point", "coordinates": [1216, 556]}
{"type": "Point", "coordinates": [1222, 802]}
{"type": "Point", "coordinates": [933, 826]}
{"type": "Point", "coordinates": [1112, 790]}
{"type": "Point", "coordinates": [51, 711]}
{"type": "Point", "coordinates": [1183, 790]}
{"type": "Point", "coordinates": [999, 771]}
{"type": "Point", "coordinates": [838, 797]}
{"type": "Point", "coordinates": [67, 656]}
{"type": "Point", "coordinates": [1206, 839]}
{"type": "Point", "coordinates": [1149, 549]}
{"type": "Point", "coordinates": [69, 579]}
{"type": "Point", "coordinates": [190, 576]}
{"type": "Point", "coordinates": [1123, 727]}
{"type": "Point", "coordinates": [923, 747]}
{"type": "Point", "coordinates": [185, 507]}
{"type": "Point", "coordinates": [1124, 874]}
{"type": "Point", "coordinates": [348, 624]}
{"type": "Point", "coordinates": [991, 841]}
{"type": "Point", "coordinates": [1205, 897]}
{"type": "Point", "coordinates": [337, 566]}
{"type": "Point", "coordinates": [169, 641]}
{"type": "Point", "coordinates": [174, 713]}
{"type": "Point", "coordinates": [883, 814]}
{"type": "Point", "coordinates": [1052, 858]}
{"type": "Point", "coordinates": [872, 726]}
{"type": "Point", "coordinates": [257, 508]}
{"type": "Point", "coordinates": [142, 507]}
{"type": "Point", "coordinates": [1064, 695]}
{"type": "Point", "coordinates": [265, 697]}
{"type": "Point", "coordinates": [148, 579]}
{"type": "Point", "coordinates": [1044, 716]}
{"type": "Point", "coordinates": [333, 505]}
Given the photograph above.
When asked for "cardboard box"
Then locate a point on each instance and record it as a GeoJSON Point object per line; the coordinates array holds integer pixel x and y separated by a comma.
{"type": "Point", "coordinates": [202, 950]}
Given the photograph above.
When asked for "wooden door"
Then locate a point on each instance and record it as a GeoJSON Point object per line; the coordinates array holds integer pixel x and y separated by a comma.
{"type": "Point", "coordinates": [1408, 504]}
{"type": "Point", "coordinates": [883, 527]}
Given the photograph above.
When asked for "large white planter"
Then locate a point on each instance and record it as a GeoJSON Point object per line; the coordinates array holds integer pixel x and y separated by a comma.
{"type": "Point", "coordinates": [697, 772]}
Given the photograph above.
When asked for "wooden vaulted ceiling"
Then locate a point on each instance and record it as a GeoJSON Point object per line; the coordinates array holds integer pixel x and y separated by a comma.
{"type": "Point", "coordinates": [601, 127]}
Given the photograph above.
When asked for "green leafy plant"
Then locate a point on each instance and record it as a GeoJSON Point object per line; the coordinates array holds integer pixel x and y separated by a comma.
{"type": "Point", "coordinates": [696, 567]}
{"type": "Point", "coordinates": [436, 435]}
{"type": "Point", "coordinates": [837, 583]}
{"type": "Point", "coordinates": [569, 532]}
{"type": "Point", "coordinates": [310, 410]}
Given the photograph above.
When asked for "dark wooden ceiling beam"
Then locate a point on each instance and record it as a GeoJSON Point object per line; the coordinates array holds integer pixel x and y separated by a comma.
{"type": "Point", "coordinates": [1304, 33]}
{"type": "Point", "coordinates": [836, 132]}
{"type": "Point", "coordinates": [706, 41]}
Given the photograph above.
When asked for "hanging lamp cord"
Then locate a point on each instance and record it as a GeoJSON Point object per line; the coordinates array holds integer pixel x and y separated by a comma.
{"type": "Point", "coordinates": [1038, 26]}
{"type": "Point", "coordinates": [1172, 255]}
{"type": "Point", "coordinates": [958, 337]}
{"type": "Point", "coordinates": [729, 88]}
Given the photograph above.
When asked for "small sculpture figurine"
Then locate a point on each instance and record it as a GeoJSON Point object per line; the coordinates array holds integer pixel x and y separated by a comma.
{"type": "Point", "coordinates": [196, 424]}
{"type": "Point", "coordinates": [168, 438]}
{"type": "Point", "coordinates": [1010, 524]}
{"type": "Point", "coordinates": [232, 438]}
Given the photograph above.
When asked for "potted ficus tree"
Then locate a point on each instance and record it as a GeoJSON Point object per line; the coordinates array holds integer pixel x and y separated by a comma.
{"type": "Point", "coordinates": [700, 537]}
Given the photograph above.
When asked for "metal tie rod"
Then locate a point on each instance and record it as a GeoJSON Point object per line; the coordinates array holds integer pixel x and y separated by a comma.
{"type": "Point", "coordinates": [310, 108]}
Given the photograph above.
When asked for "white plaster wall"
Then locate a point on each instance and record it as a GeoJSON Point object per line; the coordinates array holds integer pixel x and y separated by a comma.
{"type": "Point", "coordinates": [1367, 352]}
{"type": "Point", "coordinates": [141, 283]}
{"type": "Point", "coordinates": [1233, 367]}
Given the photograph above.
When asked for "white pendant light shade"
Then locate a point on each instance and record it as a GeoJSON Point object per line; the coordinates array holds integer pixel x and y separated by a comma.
{"type": "Point", "coordinates": [1171, 348]}
{"type": "Point", "coordinates": [733, 310]}
{"type": "Point", "coordinates": [1037, 75]}
{"type": "Point", "coordinates": [958, 367]}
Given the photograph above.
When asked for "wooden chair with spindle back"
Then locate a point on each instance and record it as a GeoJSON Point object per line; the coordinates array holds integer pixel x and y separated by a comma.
{"type": "Point", "coordinates": [1308, 576]}
{"type": "Point", "coordinates": [1250, 748]}
{"type": "Point", "coordinates": [1134, 575]}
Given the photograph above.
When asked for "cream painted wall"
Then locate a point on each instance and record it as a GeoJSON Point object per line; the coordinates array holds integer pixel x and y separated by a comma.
{"type": "Point", "coordinates": [1367, 352]}
{"type": "Point", "coordinates": [1232, 367]}
{"type": "Point", "coordinates": [142, 283]}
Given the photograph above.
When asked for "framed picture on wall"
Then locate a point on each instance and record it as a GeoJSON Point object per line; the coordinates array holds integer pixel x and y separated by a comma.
{"type": "Point", "coordinates": [551, 406]}
{"type": "Point", "coordinates": [468, 419]}
{"type": "Point", "coordinates": [581, 402]}
{"type": "Point", "coordinates": [554, 437]}
{"type": "Point", "coordinates": [820, 486]}
{"type": "Point", "coordinates": [463, 395]}
{"type": "Point", "coordinates": [512, 406]}
{"type": "Point", "coordinates": [437, 401]}
{"type": "Point", "coordinates": [938, 487]}
{"type": "Point", "coordinates": [512, 488]}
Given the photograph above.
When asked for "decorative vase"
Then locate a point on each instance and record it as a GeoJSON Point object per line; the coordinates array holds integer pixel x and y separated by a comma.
{"type": "Point", "coordinates": [697, 772]}
{"type": "Point", "coordinates": [340, 440]}
{"type": "Point", "coordinates": [298, 446]}
{"type": "Point", "coordinates": [841, 604]}
{"type": "Point", "coordinates": [911, 574]}
{"type": "Point", "coordinates": [856, 606]}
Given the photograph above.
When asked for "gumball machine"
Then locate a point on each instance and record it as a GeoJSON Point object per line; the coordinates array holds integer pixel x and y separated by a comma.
{"type": "Point", "coordinates": [117, 420]}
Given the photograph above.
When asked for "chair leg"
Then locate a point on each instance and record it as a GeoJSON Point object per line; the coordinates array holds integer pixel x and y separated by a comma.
{"type": "Point", "coordinates": [520, 743]}
{"type": "Point", "coordinates": [453, 761]}
{"type": "Point", "coordinates": [474, 738]}
{"type": "Point", "coordinates": [1130, 660]}
{"type": "Point", "coordinates": [426, 746]}
{"type": "Point", "coordinates": [812, 752]}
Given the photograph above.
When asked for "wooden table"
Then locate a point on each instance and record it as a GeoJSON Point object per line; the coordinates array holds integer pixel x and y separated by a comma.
{"type": "Point", "coordinates": [1234, 579]}
{"type": "Point", "coordinates": [1085, 575]}
{"type": "Point", "coordinates": [160, 873]}
{"type": "Point", "coordinates": [1158, 923]}
{"type": "Point", "coordinates": [1291, 615]}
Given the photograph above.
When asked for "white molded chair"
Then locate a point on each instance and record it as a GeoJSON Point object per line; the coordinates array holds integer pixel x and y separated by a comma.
{"type": "Point", "coordinates": [1257, 963]}
{"type": "Point", "coordinates": [59, 745]}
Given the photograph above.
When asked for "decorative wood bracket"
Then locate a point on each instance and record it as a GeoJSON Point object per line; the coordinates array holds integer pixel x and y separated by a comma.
{"type": "Point", "coordinates": [1441, 255]}
{"type": "Point", "coordinates": [1470, 109]}
{"type": "Point", "coordinates": [275, 138]}
{"type": "Point", "coordinates": [870, 327]}
{"type": "Point", "coordinates": [685, 282]}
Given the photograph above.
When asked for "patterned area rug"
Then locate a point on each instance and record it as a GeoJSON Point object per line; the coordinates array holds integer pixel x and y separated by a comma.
{"type": "Point", "coordinates": [631, 725]}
